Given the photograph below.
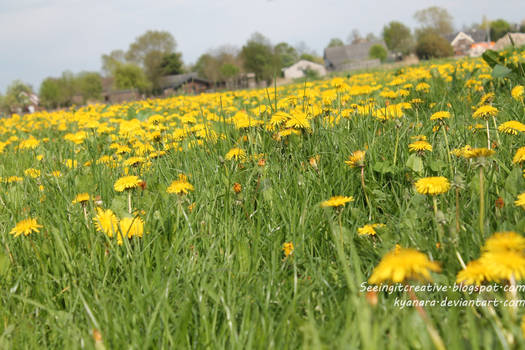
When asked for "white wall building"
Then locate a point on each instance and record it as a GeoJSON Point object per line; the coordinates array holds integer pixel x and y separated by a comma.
{"type": "Point", "coordinates": [297, 70]}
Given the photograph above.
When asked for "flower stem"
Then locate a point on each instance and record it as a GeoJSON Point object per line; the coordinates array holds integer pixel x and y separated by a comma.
{"type": "Point", "coordinates": [364, 191]}
{"type": "Point", "coordinates": [458, 226]}
{"type": "Point", "coordinates": [488, 134]}
{"type": "Point", "coordinates": [434, 334]}
{"type": "Point", "coordinates": [448, 151]}
{"type": "Point", "coordinates": [397, 143]}
{"type": "Point", "coordinates": [481, 202]}
{"type": "Point", "coordinates": [438, 225]}
{"type": "Point", "coordinates": [129, 202]}
{"type": "Point", "coordinates": [496, 129]}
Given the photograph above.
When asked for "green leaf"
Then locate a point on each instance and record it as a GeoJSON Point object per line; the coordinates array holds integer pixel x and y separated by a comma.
{"type": "Point", "coordinates": [491, 57]}
{"type": "Point", "coordinates": [500, 71]}
{"type": "Point", "coordinates": [415, 163]}
{"type": "Point", "coordinates": [437, 165]}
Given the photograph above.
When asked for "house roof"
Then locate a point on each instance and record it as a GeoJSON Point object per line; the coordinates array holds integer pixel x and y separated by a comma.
{"type": "Point", "coordinates": [303, 63]}
{"type": "Point", "coordinates": [518, 38]}
{"type": "Point", "coordinates": [349, 53]}
{"type": "Point", "coordinates": [477, 35]}
{"type": "Point", "coordinates": [176, 81]}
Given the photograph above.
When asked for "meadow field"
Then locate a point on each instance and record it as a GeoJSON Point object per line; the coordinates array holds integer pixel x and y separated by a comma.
{"type": "Point", "coordinates": [265, 218]}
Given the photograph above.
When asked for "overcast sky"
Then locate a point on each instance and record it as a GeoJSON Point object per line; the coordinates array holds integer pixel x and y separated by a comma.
{"type": "Point", "coordinates": [41, 38]}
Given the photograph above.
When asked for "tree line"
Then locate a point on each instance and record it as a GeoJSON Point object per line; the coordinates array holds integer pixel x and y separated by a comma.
{"type": "Point", "coordinates": [154, 55]}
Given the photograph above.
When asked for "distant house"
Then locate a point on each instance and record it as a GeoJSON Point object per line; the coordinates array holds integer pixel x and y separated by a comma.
{"type": "Point", "coordinates": [111, 95]}
{"type": "Point", "coordinates": [189, 83]}
{"type": "Point", "coordinates": [518, 38]}
{"type": "Point", "coordinates": [298, 69]}
{"type": "Point", "coordinates": [350, 57]}
{"type": "Point", "coordinates": [477, 49]}
{"type": "Point", "coordinates": [462, 42]}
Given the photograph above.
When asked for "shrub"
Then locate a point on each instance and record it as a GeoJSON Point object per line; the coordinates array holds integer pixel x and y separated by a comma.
{"type": "Point", "coordinates": [378, 51]}
{"type": "Point", "coordinates": [431, 45]}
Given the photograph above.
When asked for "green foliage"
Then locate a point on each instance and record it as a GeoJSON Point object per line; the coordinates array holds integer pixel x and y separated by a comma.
{"type": "Point", "coordinates": [334, 42]}
{"type": "Point", "coordinates": [229, 70]}
{"type": "Point", "coordinates": [150, 51]}
{"type": "Point", "coordinates": [378, 51]}
{"type": "Point", "coordinates": [258, 57]}
{"type": "Point", "coordinates": [436, 19]}
{"type": "Point", "coordinates": [172, 64]}
{"type": "Point", "coordinates": [50, 93]}
{"type": "Point", "coordinates": [287, 54]}
{"type": "Point", "coordinates": [432, 45]}
{"type": "Point", "coordinates": [89, 86]}
{"type": "Point", "coordinates": [16, 97]}
{"type": "Point", "coordinates": [398, 37]}
{"type": "Point", "coordinates": [111, 61]}
{"type": "Point", "coordinates": [130, 76]}
{"type": "Point", "coordinates": [503, 67]}
{"type": "Point", "coordinates": [222, 64]}
{"type": "Point", "coordinates": [498, 29]}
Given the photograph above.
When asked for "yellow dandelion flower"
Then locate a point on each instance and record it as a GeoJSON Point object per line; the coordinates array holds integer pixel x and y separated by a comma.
{"type": "Point", "coordinates": [517, 92]}
{"type": "Point", "coordinates": [487, 98]}
{"type": "Point", "coordinates": [127, 182]}
{"type": "Point", "coordinates": [432, 185]}
{"type": "Point", "coordinates": [32, 172]}
{"type": "Point", "coordinates": [130, 227]}
{"type": "Point", "coordinates": [512, 127]}
{"type": "Point", "coordinates": [521, 200]}
{"type": "Point", "coordinates": [519, 157]}
{"type": "Point", "coordinates": [288, 248]}
{"type": "Point", "coordinates": [26, 227]}
{"type": "Point", "coordinates": [106, 221]}
{"type": "Point", "coordinates": [70, 163]}
{"type": "Point", "coordinates": [236, 154]}
{"type": "Point", "coordinates": [180, 186]}
{"type": "Point", "coordinates": [440, 115]}
{"type": "Point", "coordinates": [81, 198]}
{"type": "Point", "coordinates": [403, 264]}
{"type": "Point", "coordinates": [356, 159]}
{"type": "Point", "coordinates": [477, 152]}
{"type": "Point", "coordinates": [505, 265]}
{"type": "Point", "coordinates": [369, 229]}
{"type": "Point", "coordinates": [298, 120]}
{"type": "Point", "coordinates": [504, 242]}
{"type": "Point", "coordinates": [476, 272]}
{"type": "Point", "coordinates": [134, 161]}
{"type": "Point", "coordinates": [485, 112]}
{"type": "Point", "coordinates": [420, 146]}
{"type": "Point", "coordinates": [337, 201]}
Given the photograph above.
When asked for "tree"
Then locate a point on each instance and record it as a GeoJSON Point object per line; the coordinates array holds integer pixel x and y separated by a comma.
{"type": "Point", "coordinates": [432, 45]}
{"type": "Point", "coordinates": [149, 50]}
{"type": "Point", "coordinates": [435, 18]}
{"type": "Point", "coordinates": [89, 86]}
{"type": "Point", "coordinates": [378, 51]}
{"type": "Point", "coordinates": [334, 42]}
{"type": "Point", "coordinates": [522, 26]}
{"type": "Point", "coordinates": [220, 64]}
{"type": "Point", "coordinates": [287, 54]}
{"type": "Point", "coordinates": [111, 61]}
{"type": "Point", "coordinates": [398, 37]}
{"type": "Point", "coordinates": [371, 37]}
{"type": "Point", "coordinates": [171, 64]}
{"type": "Point", "coordinates": [50, 93]}
{"type": "Point", "coordinates": [498, 29]}
{"type": "Point", "coordinates": [311, 58]}
{"type": "Point", "coordinates": [258, 57]}
{"type": "Point", "coordinates": [17, 97]}
{"type": "Point", "coordinates": [354, 37]}
{"type": "Point", "coordinates": [130, 76]}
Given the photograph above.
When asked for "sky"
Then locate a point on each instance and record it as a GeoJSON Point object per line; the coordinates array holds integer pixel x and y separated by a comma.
{"type": "Point", "coordinates": [42, 38]}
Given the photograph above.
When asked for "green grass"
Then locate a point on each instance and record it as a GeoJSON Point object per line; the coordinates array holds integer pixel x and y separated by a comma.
{"type": "Point", "coordinates": [215, 277]}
